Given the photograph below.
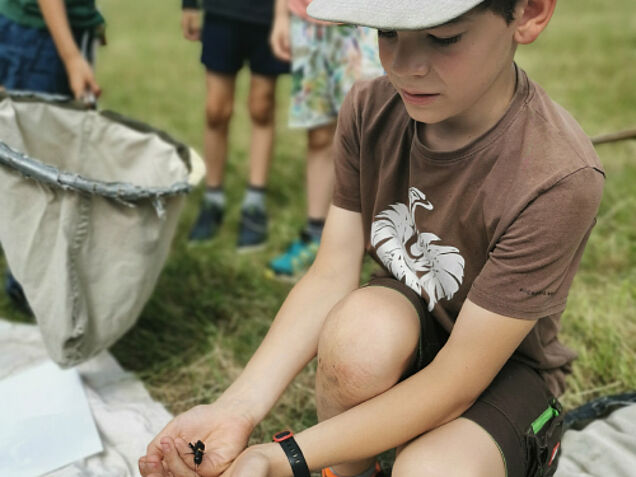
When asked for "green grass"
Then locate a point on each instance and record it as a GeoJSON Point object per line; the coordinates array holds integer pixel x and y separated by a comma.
{"type": "Point", "coordinates": [212, 307]}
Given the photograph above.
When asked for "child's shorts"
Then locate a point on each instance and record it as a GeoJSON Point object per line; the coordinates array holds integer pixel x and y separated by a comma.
{"type": "Point", "coordinates": [228, 43]}
{"type": "Point", "coordinates": [29, 59]}
{"type": "Point", "coordinates": [326, 61]}
{"type": "Point", "coordinates": [517, 409]}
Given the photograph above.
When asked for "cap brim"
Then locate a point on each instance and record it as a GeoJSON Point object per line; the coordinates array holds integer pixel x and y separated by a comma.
{"type": "Point", "coordinates": [390, 14]}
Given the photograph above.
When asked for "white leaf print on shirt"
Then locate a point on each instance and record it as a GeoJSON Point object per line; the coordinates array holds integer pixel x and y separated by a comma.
{"type": "Point", "coordinates": [411, 256]}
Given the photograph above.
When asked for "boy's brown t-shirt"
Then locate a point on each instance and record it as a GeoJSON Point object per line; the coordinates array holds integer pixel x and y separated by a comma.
{"type": "Point", "coordinates": [502, 221]}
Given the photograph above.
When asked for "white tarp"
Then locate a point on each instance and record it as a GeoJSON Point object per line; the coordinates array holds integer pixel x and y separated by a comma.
{"type": "Point", "coordinates": [127, 418]}
{"type": "Point", "coordinates": [46, 421]}
{"type": "Point", "coordinates": [604, 448]}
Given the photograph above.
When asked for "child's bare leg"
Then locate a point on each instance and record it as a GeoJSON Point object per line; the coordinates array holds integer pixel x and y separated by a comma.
{"type": "Point", "coordinates": [459, 448]}
{"type": "Point", "coordinates": [367, 343]}
{"type": "Point", "coordinates": [320, 170]}
{"type": "Point", "coordinates": [218, 111]}
{"type": "Point", "coordinates": [261, 106]}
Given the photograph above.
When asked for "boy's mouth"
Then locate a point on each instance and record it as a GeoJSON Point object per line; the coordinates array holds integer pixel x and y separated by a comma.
{"type": "Point", "coordinates": [418, 98]}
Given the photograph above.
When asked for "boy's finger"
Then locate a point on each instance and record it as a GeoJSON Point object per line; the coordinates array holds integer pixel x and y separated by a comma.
{"type": "Point", "coordinates": [154, 448]}
{"type": "Point", "coordinates": [95, 89]}
{"type": "Point", "coordinates": [151, 467]}
{"type": "Point", "coordinates": [281, 51]}
{"type": "Point", "coordinates": [173, 459]}
{"type": "Point", "coordinates": [166, 470]}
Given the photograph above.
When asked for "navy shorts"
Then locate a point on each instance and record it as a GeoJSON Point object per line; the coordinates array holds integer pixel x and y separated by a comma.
{"type": "Point", "coordinates": [228, 43]}
{"type": "Point", "coordinates": [517, 409]}
{"type": "Point", "coordinates": [29, 60]}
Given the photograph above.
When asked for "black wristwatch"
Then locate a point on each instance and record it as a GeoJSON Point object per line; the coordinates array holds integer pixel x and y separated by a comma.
{"type": "Point", "coordinates": [293, 453]}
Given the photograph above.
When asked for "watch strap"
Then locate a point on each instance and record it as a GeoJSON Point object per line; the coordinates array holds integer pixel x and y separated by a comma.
{"type": "Point", "coordinates": [293, 453]}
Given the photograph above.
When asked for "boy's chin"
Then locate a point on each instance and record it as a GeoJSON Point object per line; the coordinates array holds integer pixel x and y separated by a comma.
{"type": "Point", "coordinates": [426, 117]}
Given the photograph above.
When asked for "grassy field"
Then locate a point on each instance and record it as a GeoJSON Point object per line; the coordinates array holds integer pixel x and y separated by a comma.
{"type": "Point", "coordinates": [212, 307]}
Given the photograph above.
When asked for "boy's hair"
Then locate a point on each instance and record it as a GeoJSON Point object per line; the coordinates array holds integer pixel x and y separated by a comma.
{"type": "Point", "coordinates": [503, 8]}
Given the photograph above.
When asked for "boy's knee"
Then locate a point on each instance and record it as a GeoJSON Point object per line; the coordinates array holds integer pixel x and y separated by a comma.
{"type": "Point", "coordinates": [431, 466]}
{"type": "Point", "coordinates": [218, 114]}
{"type": "Point", "coordinates": [321, 137]}
{"type": "Point", "coordinates": [366, 345]}
{"type": "Point", "coordinates": [262, 111]}
{"type": "Point", "coordinates": [406, 465]}
{"type": "Point", "coordinates": [459, 448]}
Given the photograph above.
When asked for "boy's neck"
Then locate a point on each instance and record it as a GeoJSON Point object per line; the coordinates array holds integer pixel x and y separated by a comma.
{"type": "Point", "coordinates": [459, 131]}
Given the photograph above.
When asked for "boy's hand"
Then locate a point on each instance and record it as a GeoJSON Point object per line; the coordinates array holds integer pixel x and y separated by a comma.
{"type": "Point", "coordinates": [251, 463]}
{"type": "Point", "coordinates": [191, 24]}
{"type": "Point", "coordinates": [171, 464]}
{"type": "Point", "coordinates": [262, 460]}
{"type": "Point", "coordinates": [222, 429]}
{"type": "Point", "coordinates": [279, 37]}
{"type": "Point", "coordinates": [81, 78]}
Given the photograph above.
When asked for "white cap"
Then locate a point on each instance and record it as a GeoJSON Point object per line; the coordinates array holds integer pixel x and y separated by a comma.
{"type": "Point", "coordinates": [391, 14]}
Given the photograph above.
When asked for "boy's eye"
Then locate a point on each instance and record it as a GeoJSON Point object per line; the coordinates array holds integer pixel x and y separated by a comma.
{"type": "Point", "coordinates": [445, 41]}
{"type": "Point", "coordinates": [387, 33]}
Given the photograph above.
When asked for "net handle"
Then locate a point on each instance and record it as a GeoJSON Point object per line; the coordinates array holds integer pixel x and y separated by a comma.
{"type": "Point", "coordinates": [52, 176]}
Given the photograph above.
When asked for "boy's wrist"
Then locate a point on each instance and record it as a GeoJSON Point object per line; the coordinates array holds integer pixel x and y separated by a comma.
{"type": "Point", "coordinates": [247, 409]}
{"type": "Point", "coordinates": [293, 453]}
{"type": "Point", "coordinates": [278, 462]}
{"type": "Point", "coordinates": [70, 56]}
{"type": "Point", "coordinates": [281, 18]}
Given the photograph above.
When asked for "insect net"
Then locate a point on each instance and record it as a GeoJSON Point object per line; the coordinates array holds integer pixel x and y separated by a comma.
{"type": "Point", "coordinates": [89, 203]}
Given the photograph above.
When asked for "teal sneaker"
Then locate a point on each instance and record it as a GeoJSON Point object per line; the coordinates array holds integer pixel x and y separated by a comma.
{"type": "Point", "coordinates": [296, 259]}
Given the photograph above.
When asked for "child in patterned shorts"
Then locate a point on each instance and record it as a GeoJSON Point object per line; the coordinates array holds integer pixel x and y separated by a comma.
{"type": "Point", "coordinates": [326, 60]}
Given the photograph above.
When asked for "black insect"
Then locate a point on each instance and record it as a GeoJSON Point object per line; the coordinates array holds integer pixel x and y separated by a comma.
{"type": "Point", "coordinates": [198, 449]}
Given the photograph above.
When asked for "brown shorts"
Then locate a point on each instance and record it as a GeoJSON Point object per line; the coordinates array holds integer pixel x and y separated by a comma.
{"type": "Point", "coordinates": [517, 409]}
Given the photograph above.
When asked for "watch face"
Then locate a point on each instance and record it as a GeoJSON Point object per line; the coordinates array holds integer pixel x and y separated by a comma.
{"type": "Point", "coordinates": [281, 436]}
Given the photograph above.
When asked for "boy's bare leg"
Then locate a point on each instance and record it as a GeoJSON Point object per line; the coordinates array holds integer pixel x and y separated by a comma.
{"type": "Point", "coordinates": [320, 170]}
{"type": "Point", "coordinates": [367, 343]}
{"type": "Point", "coordinates": [460, 447]}
{"type": "Point", "coordinates": [261, 107]}
{"type": "Point", "coordinates": [218, 111]}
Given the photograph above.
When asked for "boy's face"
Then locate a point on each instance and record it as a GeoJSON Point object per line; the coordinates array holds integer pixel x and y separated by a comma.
{"type": "Point", "coordinates": [459, 70]}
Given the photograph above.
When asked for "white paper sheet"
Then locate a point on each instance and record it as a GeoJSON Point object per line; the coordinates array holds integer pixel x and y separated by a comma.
{"type": "Point", "coordinates": [45, 421]}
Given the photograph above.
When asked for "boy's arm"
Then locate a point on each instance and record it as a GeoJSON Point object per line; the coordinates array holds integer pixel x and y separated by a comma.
{"type": "Point", "coordinates": [480, 344]}
{"type": "Point", "coordinates": [279, 36]}
{"type": "Point", "coordinates": [191, 20]}
{"type": "Point", "coordinates": [289, 345]}
{"type": "Point", "coordinates": [80, 74]}
{"type": "Point", "coordinates": [281, 8]}
{"type": "Point", "coordinates": [292, 340]}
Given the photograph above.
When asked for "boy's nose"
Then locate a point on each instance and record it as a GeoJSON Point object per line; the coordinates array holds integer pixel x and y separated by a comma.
{"type": "Point", "coordinates": [410, 58]}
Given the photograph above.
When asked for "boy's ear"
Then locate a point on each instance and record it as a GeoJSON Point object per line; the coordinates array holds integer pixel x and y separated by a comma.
{"type": "Point", "coordinates": [532, 16]}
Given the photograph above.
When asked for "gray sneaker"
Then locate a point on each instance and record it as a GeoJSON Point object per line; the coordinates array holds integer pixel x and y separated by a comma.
{"type": "Point", "coordinates": [252, 229]}
{"type": "Point", "coordinates": [207, 223]}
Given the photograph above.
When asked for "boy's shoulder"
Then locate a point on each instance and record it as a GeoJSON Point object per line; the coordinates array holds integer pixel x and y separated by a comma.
{"type": "Point", "coordinates": [551, 132]}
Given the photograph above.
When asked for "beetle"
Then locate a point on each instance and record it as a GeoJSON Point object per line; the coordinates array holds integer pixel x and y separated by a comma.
{"type": "Point", "coordinates": [198, 449]}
